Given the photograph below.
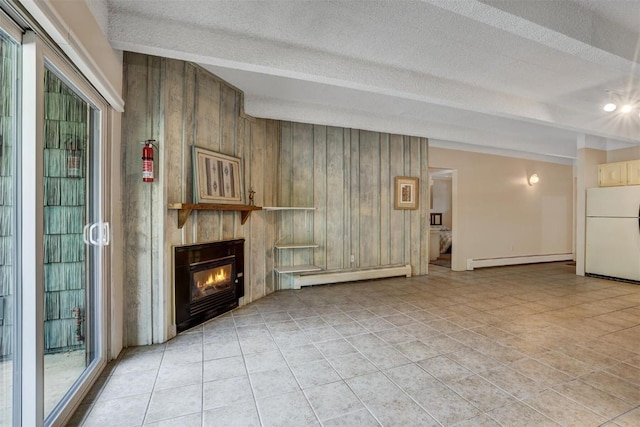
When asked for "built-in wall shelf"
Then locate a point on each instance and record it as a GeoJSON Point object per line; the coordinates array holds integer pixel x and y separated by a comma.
{"type": "Point", "coordinates": [185, 209]}
{"type": "Point", "coordinates": [288, 208]}
{"type": "Point", "coordinates": [286, 269]}
{"type": "Point", "coordinates": [282, 246]}
{"type": "Point", "coordinates": [296, 245]}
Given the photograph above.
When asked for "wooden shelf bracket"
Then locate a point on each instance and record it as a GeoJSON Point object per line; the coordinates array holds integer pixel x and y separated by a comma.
{"type": "Point", "coordinates": [185, 209]}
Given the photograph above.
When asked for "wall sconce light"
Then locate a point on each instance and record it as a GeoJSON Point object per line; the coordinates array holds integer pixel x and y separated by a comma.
{"type": "Point", "coordinates": [610, 106]}
{"type": "Point", "coordinates": [534, 179]}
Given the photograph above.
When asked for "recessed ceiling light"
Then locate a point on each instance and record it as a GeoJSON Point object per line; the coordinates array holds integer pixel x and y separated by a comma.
{"type": "Point", "coordinates": [609, 107]}
{"type": "Point", "coordinates": [626, 108]}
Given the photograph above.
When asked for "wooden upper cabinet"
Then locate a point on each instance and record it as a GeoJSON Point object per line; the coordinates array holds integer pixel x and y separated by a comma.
{"type": "Point", "coordinates": [612, 174]}
{"type": "Point", "coordinates": [633, 172]}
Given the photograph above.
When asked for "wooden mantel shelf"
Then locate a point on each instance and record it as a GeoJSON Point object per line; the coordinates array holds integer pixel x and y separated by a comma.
{"type": "Point", "coordinates": [184, 210]}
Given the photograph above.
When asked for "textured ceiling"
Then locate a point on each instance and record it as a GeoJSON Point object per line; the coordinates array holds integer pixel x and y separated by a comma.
{"type": "Point", "coordinates": [527, 77]}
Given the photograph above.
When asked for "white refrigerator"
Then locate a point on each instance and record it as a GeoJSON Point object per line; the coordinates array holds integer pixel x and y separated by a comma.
{"type": "Point", "coordinates": [613, 232]}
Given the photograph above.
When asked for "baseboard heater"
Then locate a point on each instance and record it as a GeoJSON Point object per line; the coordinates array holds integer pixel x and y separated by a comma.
{"type": "Point", "coordinates": [532, 259]}
{"type": "Point", "coordinates": [350, 275]}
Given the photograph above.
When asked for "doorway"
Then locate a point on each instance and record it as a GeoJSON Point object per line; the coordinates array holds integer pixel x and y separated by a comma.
{"type": "Point", "coordinates": [442, 189]}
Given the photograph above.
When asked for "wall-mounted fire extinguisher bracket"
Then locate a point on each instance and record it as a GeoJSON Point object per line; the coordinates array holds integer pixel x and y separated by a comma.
{"type": "Point", "coordinates": [147, 159]}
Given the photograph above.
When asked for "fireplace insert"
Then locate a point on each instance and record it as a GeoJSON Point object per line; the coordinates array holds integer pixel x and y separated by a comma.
{"type": "Point", "coordinates": [209, 280]}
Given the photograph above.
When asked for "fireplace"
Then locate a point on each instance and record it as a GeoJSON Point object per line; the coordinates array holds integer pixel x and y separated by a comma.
{"type": "Point", "coordinates": [209, 280]}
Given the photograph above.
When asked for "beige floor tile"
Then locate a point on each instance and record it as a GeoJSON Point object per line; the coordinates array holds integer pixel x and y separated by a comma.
{"type": "Point", "coordinates": [361, 418]}
{"type": "Point", "coordinates": [352, 365]}
{"type": "Point", "coordinates": [562, 362]}
{"type": "Point", "coordinates": [174, 402]}
{"type": "Point", "coordinates": [301, 354]}
{"type": "Point", "coordinates": [388, 404]}
{"type": "Point", "coordinates": [474, 360]}
{"type": "Point", "coordinates": [615, 386]}
{"type": "Point", "coordinates": [125, 411]}
{"type": "Point", "coordinates": [273, 382]}
{"type": "Point", "coordinates": [626, 372]}
{"type": "Point", "coordinates": [385, 357]}
{"type": "Point", "coordinates": [219, 369]}
{"type": "Point", "coordinates": [512, 382]}
{"type": "Point", "coordinates": [317, 372]}
{"type": "Point", "coordinates": [289, 409]}
{"type": "Point", "coordinates": [191, 420]}
{"type": "Point", "coordinates": [598, 401]}
{"type": "Point", "coordinates": [629, 419]}
{"type": "Point", "coordinates": [540, 372]}
{"type": "Point", "coordinates": [264, 361]}
{"type": "Point", "coordinates": [332, 400]}
{"type": "Point", "coordinates": [520, 415]}
{"type": "Point", "coordinates": [239, 415]}
{"type": "Point", "coordinates": [438, 400]}
{"type": "Point", "coordinates": [416, 350]}
{"type": "Point", "coordinates": [124, 385]}
{"type": "Point", "coordinates": [481, 393]}
{"type": "Point", "coordinates": [563, 410]}
{"type": "Point", "coordinates": [445, 369]}
{"type": "Point", "coordinates": [230, 391]}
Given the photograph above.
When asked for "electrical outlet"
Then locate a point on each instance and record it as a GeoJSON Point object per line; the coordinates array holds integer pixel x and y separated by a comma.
{"type": "Point", "coordinates": [353, 258]}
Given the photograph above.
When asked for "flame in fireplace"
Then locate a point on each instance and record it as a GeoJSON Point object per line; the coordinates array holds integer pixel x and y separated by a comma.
{"type": "Point", "coordinates": [214, 278]}
{"type": "Point", "coordinates": [217, 279]}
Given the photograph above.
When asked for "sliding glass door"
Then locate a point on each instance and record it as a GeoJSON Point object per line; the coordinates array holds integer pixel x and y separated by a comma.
{"type": "Point", "coordinates": [73, 234]}
{"type": "Point", "coordinates": [64, 235]}
{"type": "Point", "coordinates": [9, 366]}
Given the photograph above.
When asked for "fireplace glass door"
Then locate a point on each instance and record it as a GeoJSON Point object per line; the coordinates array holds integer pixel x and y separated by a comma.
{"type": "Point", "coordinates": [211, 279]}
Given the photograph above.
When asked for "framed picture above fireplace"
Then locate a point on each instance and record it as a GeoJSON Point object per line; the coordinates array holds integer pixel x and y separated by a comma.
{"type": "Point", "coordinates": [217, 178]}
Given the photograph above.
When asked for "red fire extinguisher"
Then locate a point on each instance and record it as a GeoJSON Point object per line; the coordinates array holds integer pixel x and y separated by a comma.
{"type": "Point", "coordinates": [147, 161]}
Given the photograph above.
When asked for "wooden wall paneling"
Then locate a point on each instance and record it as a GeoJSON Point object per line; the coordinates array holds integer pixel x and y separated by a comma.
{"type": "Point", "coordinates": [415, 236]}
{"type": "Point", "coordinates": [285, 186]}
{"type": "Point", "coordinates": [229, 145]}
{"type": "Point", "coordinates": [369, 199]}
{"type": "Point", "coordinates": [319, 234]}
{"type": "Point", "coordinates": [396, 217]}
{"type": "Point", "coordinates": [355, 197]}
{"type": "Point", "coordinates": [346, 203]}
{"type": "Point", "coordinates": [406, 170]}
{"type": "Point", "coordinates": [190, 135]}
{"type": "Point", "coordinates": [174, 101]}
{"type": "Point", "coordinates": [270, 181]}
{"type": "Point", "coordinates": [255, 140]}
{"type": "Point", "coordinates": [268, 197]}
{"type": "Point", "coordinates": [302, 191]}
{"type": "Point", "coordinates": [424, 205]}
{"type": "Point", "coordinates": [174, 119]}
{"type": "Point", "coordinates": [158, 202]}
{"type": "Point", "coordinates": [136, 127]}
{"type": "Point", "coordinates": [385, 200]}
{"type": "Point", "coordinates": [208, 134]}
{"type": "Point", "coordinates": [335, 207]}
{"type": "Point", "coordinates": [207, 101]}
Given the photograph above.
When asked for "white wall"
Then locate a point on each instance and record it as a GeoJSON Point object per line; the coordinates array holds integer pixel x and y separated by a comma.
{"type": "Point", "coordinates": [499, 214]}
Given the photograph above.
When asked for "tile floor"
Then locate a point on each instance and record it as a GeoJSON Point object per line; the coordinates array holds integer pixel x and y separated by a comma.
{"type": "Point", "coordinates": [514, 346]}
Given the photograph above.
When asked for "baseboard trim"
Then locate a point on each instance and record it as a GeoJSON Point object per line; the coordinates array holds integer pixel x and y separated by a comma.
{"type": "Point", "coordinates": [351, 275]}
{"type": "Point", "coordinates": [531, 259]}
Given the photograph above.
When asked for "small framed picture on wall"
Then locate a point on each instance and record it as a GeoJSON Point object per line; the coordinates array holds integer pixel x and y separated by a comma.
{"type": "Point", "coordinates": [406, 192]}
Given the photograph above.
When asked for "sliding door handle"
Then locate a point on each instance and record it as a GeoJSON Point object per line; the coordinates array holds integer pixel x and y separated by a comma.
{"type": "Point", "coordinates": [96, 234]}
